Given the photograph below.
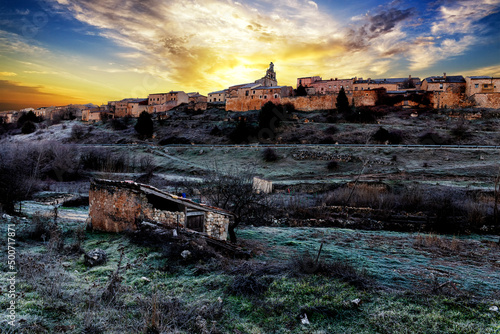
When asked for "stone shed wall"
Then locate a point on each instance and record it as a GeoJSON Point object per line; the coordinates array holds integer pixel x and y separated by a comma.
{"type": "Point", "coordinates": [115, 209]}
{"type": "Point", "coordinates": [216, 225]}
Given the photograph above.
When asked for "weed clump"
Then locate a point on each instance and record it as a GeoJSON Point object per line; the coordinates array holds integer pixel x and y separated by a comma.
{"type": "Point", "coordinates": [270, 155]}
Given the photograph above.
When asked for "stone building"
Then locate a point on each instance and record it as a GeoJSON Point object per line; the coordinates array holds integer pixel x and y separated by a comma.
{"type": "Point", "coordinates": [165, 101]}
{"type": "Point", "coordinates": [117, 206]}
{"type": "Point", "coordinates": [307, 81]}
{"type": "Point", "coordinates": [483, 84]}
{"type": "Point", "coordinates": [445, 83]}
{"type": "Point", "coordinates": [253, 96]}
{"type": "Point", "coordinates": [197, 101]}
{"type": "Point", "coordinates": [217, 97]}
{"type": "Point", "coordinates": [483, 91]}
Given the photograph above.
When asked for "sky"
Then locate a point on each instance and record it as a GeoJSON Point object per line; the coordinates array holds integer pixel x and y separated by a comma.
{"type": "Point", "coordinates": [56, 52]}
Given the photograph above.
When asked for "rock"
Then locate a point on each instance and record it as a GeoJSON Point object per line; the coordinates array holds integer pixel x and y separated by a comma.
{"type": "Point", "coordinates": [494, 309]}
{"type": "Point", "coordinates": [304, 320]}
{"type": "Point", "coordinates": [356, 301]}
{"type": "Point", "coordinates": [95, 257]}
{"type": "Point", "coordinates": [145, 279]}
{"type": "Point", "coordinates": [186, 254]}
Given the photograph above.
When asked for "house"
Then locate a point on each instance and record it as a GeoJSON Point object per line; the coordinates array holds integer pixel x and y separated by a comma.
{"type": "Point", "coordinates": [117, 206]}
{"type": "Point", "coordinates": [160, 102]}
{"type": "Point", "coordinates": [332, 86]}
{"type": "Point", "coordinates": [446, 91]}
{"type": "Point", "coordinates": [307, 81]}
{"type": "Point", "coordinates": [197, 101]}
{"type": "Point", "coordinates": [484, 91]}
{"type": "Point", "coordinates": [217, 97]}
{"type": "Point", "coordinates": [136, 106]}
{"type": "Point", "coordinates": [96, 114]}
{"type": "Point", "coordinates": [444, 83]}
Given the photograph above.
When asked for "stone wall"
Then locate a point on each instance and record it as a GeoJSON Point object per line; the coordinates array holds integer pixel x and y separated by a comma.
{"type": "Point", "coordinates": [216, 225]}
{"type": "Point", "coordinates": [114, 209]}
{"type": "Point", "coordinates": [366, 98]}
{"type": "Point", "coordinates": [313, 102]}
{"type": "Point", "coordinates": [448, 99]}
{"type": "Point", "coordinates": [487, 100]}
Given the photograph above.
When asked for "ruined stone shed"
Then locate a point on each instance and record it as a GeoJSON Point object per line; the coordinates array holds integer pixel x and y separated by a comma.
{"type": "Point", "coordinates": [117, 206]}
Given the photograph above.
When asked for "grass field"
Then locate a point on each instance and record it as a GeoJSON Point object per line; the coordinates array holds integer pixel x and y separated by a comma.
{"type": "Point", "coordinates": [367, 282]}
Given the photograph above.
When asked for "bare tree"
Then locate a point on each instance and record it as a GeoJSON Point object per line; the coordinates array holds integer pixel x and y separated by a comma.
{"type": "Point", "coordinates": [231, 189]}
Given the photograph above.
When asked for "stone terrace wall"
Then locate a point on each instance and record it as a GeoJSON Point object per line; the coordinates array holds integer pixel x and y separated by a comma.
{"type": "Point", "coordinates": [487, 100]}
{"type": "Point", "coordinates": [312, 102]}
{"type": "Point", "coordinates": [216, 225]}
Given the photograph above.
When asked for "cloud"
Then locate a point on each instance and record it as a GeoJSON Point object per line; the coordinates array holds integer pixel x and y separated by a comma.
{"type": "Point", "coordinates": [427, 54]}
{"type": "Point", "coordinates": [7, 74]}
{"type": "Point", "coordinates": [463, 16]}
{"type": "Point", "coordinates": [13, 44]}
{"type": "Point", "coordinates": [377, 25]}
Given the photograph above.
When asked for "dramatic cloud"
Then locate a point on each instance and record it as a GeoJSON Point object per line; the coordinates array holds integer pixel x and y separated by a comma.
{"type": "Point", "coordinates": [7, 74]}
{"type": "Point", "coordinates": [463, 16]}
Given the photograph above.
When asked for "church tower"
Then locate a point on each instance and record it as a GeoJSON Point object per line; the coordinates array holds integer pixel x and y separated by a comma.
{"type": "Point", "coordinates": [269, 80]}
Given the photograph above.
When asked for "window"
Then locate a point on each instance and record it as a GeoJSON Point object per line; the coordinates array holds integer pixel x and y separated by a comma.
{"type": "Point", "coordinates": [254, 92]}
{"type": "Point", "coordinates": [330, 86]}
{"type": "Point", "coordinates": [476, 86]}
{"type": "Point", "coordinates": [355, 88]}
{"type": "Point", "coordinates": [440, 86]}
{"type": "Point", "coordinates": [246, 93]}
{"type": "Point", "coordinates": [265, 96]}
{"type": "Point", "coordinates": [485, 85]}
{"type": "Point", "coordinates": [275, 96]}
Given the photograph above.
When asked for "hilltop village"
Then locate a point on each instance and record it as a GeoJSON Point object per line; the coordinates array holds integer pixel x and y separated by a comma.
{"type": "Point", "coordinates": [312, 93]}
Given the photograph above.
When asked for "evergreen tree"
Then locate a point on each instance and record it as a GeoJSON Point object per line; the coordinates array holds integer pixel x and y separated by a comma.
{"type": "Point", "coordinates": [342, 102]}
{"type": "Point", "coordinates": [144, 125]}
{"type": "Point", "coordinates": [301, 91]}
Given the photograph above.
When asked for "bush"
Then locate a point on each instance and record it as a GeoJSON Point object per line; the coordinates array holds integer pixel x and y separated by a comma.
{"type": "Point", "coordinates": [119, 124]}
{"type": "Point", "coordinates": [242, 133]}
{"type": "Point", "coordinates": [331, 130]}
{"type": "Point", "coordinates": [144, 125]}
{"type": "Point", "coordinates": [270, 155]}
{"type": "Point", "coordinates": [432, 138]}
{"type": "Point", "coordinates": [382, 135]}
{"type": "Point", "coordinates": [333, 165]}
{"type": "Point", "coordinates": [174, 140]}
{"type": "Point", "coordinates": [77, 132]}
{"type": "Point", "coordinates": [327, 140]}
{"type": "Point", "coordinates": [28, 127]}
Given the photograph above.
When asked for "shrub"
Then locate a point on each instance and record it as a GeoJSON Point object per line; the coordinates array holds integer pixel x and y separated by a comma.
{"type": "Point", "coordinates": [144, 125]}
{"type": "Point", "coordinates": [28, 127]}
{"type": "Point", "coordinates": [242, 132]}
{"type": "Point", "coordinates": [382, 135]}
{"type": "Point", "coordinates": [77, 132]}
{"type": "Point", "coordinates": [174, 140]}
{"type": "Point", "coordinates": [461, 131]}
{"type": "Point", "coordinates": [327, 140]}
{"type": "Point", "coordinates": [333, 165]}
{"type": "Point", "coordinates": [331, 130]}
{"type": "Point", "coordinates": [270, 155]}
{"type": "Point", "coordinates": [432, 138]}
{"type": "Point", "coordinates": [119, 124]}
{"type": "Point", "coordinates": [248, 285]}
